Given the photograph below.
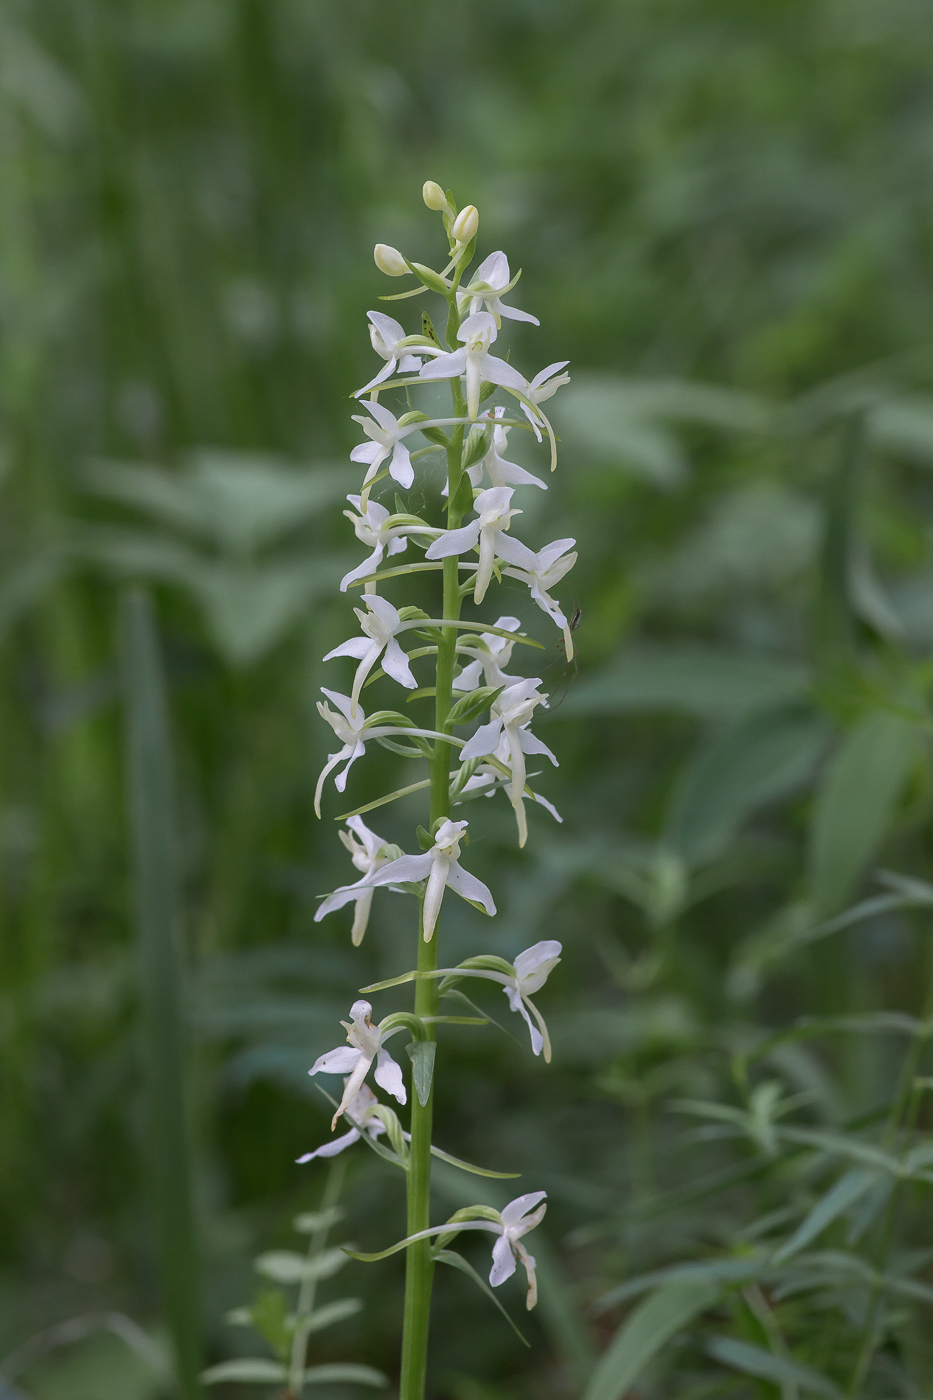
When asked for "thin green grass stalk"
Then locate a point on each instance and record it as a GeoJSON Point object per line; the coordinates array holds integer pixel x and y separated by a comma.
{"type": "Point", "coordinates": [156, 901]}
{"type": "Point", "coordinates": [307, 1293]}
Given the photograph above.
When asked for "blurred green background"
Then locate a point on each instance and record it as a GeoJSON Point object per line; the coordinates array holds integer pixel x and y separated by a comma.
{"type": "Point", "coordinates": [723, 214]}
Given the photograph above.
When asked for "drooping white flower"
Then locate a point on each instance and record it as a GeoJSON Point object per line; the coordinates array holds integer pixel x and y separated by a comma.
{"type": "Point", "coordinates": [519, 980]}
{"type": "Point", "coordinates": [440, 867]}
{"type": "Point", "coordinates": [541, 572]}
{"type": "Point", "coordinates": [474, 361]}
{"type": "Point", "coordinates": [493, 516]}
{"type": "Point", "coordinates": [360, 1114]}
{"type": "Point", "coordinates": [543, 386]}
{"type": "Point", "coordinates": [354, 730]}
{"type": "Point", "coordinates": [372, 528]}
{"type": "Point", "coordinates": [399, 350]}
{"type": "Point", "coordinates": [508, 724]}
{"type": "Point", "coordinates": [386, 435]}
{"type": "Point", "coordinates": [489, 283]}
{"type": "Point", "coordinates": [380, 624]}
{"type": "Point", "coordinates": [499, 471]}
{"type": "Point", "coordinates": [368, 853]}
{"type": "Point", "coordinates": [495, 775]}
{"type": "Point", "coordinates": [516, 1219]}
{"type": "Point", "coordinates": [365, 1045]}
{"type": "Point", "coordinates": [491, 653]}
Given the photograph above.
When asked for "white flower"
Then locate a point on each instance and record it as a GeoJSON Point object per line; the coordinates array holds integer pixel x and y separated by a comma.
{"type": "Point", "coordinates": [368, 853]}
{"type": "Point", "coordinates": [355, 1059]}
{"type": "Point", "coordinates": [386, 434]}
{"type": "Point", "coordinates": [499, 471]}
{"type": "Point", "coordinates": [390, 341]}
{"type": "Point", "coordinates": [440, 867]}
{"type": "Point", "coordinates": [490, 777]}
{"type": "Point", "coordinates": [515, 1221]}
{"type": "Point", "coordinates": [372, 528]}
{"type": "Point", "coordinates": [542, 387]}
{"type": "Point", "coordinates": [519, 980]}
{"type": "Point", "coordinates": [360, 1114]}
{"type": "Point", "coordinates": [491, 653]}
{"type": "Point", "coordinates": [380, 625]}
{"type": "Point", "coordinates": [490, 281]}
{"type": "Point", "coordinates": [465, 224]}
{"type": "Point", "coordinates": [389, 260]}
{"type": "Point", "coordinates": [353, 729]}
{"type": "Point", "coordinates": [510, 715]}
{"type": "Point", "coordinates": [541, 572]}
{"type": "Point", "coordinates": [474, 361]}
{"type": "Point", "coordinates": [492, 517]}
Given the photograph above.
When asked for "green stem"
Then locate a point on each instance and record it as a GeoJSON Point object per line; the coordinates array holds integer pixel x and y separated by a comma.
{"type": "Point", "coordinates": [419, 1264]}
{"type": "Point", "coordinates": [901, 1118]}
{"type": "Point", "coordinates": [306, 1295]}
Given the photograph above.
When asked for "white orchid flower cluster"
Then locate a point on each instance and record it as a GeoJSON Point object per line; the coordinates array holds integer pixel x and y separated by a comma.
{"type": "Point", "coordinates": [479, 738]}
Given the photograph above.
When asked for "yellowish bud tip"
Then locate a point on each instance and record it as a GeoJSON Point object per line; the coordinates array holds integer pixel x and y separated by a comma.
{"type": "Point", "coordinates": [433, 196]}
{"type": "Point", "coordinates": [465, 224]}
{"type": "Point", "coordinates": [389, 260]}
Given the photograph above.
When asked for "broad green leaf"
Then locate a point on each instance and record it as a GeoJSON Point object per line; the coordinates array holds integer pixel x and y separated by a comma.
{"type": "Point", "coordinates": [457, 1261]}
{"type": "Point", "coordinates": [645, 1332]}
{"type": "Point", "coordinates": [249, 608]}
{"type": "Point", "coordinates": [256, 1369]}
{"type": "Point", "coordinates": [704, 681]}
{"type": "Point", "coordinates": [422, 1054]}
{"type": "Point", "coordinates": [780, 1370]}
{"type": "Point", "coordinates": [285, 1266]}
{"type": "Point", "coordinates": [856, 803]}
{"type": "Point", "coordinates": [310, 1221]}
{"type": "Point", "coordinates": [332, 1313]}
{"type": "Point", "coordinates": [837, 1200]}
{"type": "Point", "coordinates": [733, 773]}
{"type": "Point", "coordinates": [347, 1372]}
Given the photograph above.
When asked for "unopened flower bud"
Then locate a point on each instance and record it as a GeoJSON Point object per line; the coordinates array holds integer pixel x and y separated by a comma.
{"type": "Point", "coordinates": [389, 260]}
{"type": "Point", "coordinates": [465, 224]}
{"type": "Point", "coordinates": [433, 196]}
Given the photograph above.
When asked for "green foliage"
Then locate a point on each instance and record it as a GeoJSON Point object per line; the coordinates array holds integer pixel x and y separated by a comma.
{"type": "Point", "coordinates": [722, 212]}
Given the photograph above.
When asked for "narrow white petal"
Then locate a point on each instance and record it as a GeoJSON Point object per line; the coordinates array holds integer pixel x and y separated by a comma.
{"type": "Point", "coordinates": [330, 1149]}
{"type": "Point", "coordinates": [343, 1060]}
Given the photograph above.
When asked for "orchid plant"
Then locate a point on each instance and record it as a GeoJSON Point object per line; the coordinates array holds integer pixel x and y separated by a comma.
{"type": "Point", "coordinates": [460, 662]}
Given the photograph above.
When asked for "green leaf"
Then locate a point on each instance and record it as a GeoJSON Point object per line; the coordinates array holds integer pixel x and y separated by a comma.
{"type": "Point", "coordinates": [270, 1317]}
{"type": "Point", "coordinates": [259, 1370]}
{"type": "Point", "coordinates": [733, 773]}
{"type": "Point", "coordinates": [332, 1313]}
{"type": "Point", "coordinates": [708, 682]}
{"type": "Point", "coordinates": [285, 1266]}
{"type": "Point", "coordinates": [645, 1332]}
{"type": "Point", "coordinates": [457, 1261]}
{"type": "Point", "coordinates": [422, 1053]}
{"type": "Point", "coordinates": [345, 1371]}
{"type": "Point", "coordinates": [856, 803]}
{"type": "Point", "coordinates": [476, 703]}
{"type": "Point", "coordinates": [780, 1370]}
{"type": "Point", "coordinates": [837, 1200]}
{"type": "Point", "coordinates": [310, 1221]}
{"type": "Point", "coordinates": [469, 1167]}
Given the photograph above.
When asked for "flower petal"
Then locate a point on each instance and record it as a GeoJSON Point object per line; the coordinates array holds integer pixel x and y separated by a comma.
{"type": "Point", "coordinates": [330, 1149]}
{"type": "Point", "coordinates": [343, 1060]}
{"type": "Point", "coordinates": [389, 1076]}
{"type": "Point", "coordinates": [503, 1262]}
{"type": "Point", "coordinates": [468, 887]}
